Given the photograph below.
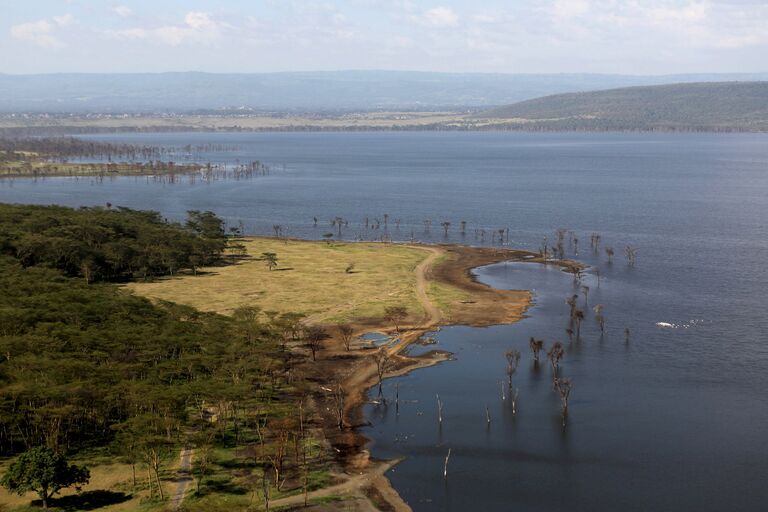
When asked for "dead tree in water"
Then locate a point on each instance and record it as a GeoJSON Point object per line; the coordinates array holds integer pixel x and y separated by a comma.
{"type": "Point", "coordinates": [544, 249]}
{"type": "Point", "coordinates": [382, 360]}
{"type": "Point", "coordinates": [626, 335]}
{"type": "Point", "coordinates": [463, 227]}
{"type": "Point", "coordinates": [599, 318]}
{"type": "Point", "coordinates": [338, 222]}
{"type": "Point", "coordinates": [578, 317]}
{"type": "Point", "coordinates": [631, 252]}
{"type": "Point", "coordinates": [609, 253]}
{"type": "Point", "coordinates": [513, 361]}
{"type": "Point", "coordinates": [536, 347]}
{"type": "Point", "coordinates": [445, 464]}
{"type": "Point", "coordinates": [446, 225]}
{"type": "Point", "coordinates": [563, 388]}
{"type": "Point", "coordinates": [439, 410]}
{"type": "Point", "coordinates": [572, 303]}
{"type": "Point", "coordinates": [554, 354]}
{"type": "Point", "coordinates": [585, 291]}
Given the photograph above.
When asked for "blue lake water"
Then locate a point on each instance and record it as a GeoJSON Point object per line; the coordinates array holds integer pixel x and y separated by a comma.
{"type": "Point", "coordinates": [676, 419]}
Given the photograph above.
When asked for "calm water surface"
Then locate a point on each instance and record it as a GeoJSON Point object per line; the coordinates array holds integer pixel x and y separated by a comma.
{"type": "Point", "coordinates": [676, 419]}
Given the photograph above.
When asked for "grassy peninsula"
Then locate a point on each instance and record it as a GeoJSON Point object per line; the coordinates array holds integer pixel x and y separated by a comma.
{"type": "Point", "coordinates": [179, 364]}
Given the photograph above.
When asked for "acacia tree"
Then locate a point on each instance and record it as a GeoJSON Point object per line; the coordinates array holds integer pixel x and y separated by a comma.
{"type": "Point", "coordinates": [395, 314]}
{"type": "Point", "coordinates": [270, 260]}
{"type": "Point", "coordinates": [346, 331]}
{"type": "Point", "coordinates": [45, 472]}
{"type": "Point", "coordinates": [315, 335]}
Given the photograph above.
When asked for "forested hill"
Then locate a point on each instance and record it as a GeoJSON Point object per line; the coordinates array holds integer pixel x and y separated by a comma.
{"type": "Point", "coordinates": [727, 106]}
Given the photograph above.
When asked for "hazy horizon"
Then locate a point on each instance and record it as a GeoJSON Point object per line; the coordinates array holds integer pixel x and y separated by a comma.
{"type": "Point", "coordinates": [657, 37]}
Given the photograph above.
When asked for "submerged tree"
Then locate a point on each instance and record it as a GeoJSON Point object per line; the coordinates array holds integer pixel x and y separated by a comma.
{"type": "Point", "coordinates": [43, 471]}
{"type": "Point", "coordinates": [609, 253]}
{"type": "Point", "coordinates": [563, 388]}
{"type": "Point", "coordinates": [383, 362]}
{"type": "Point", "coordinates": [446, 225]}
{"type": "Point", "coordinates": [599, 318]}
{"type": "Point", "coordinates": [631, 253]}
{"type": "Point", "coordinates": [578, 317]}
{"type": "Point", "coordinates": [513, 361]}
{"type": "Point", "coordinates": [536, 347]}
{"type": "Point", "coordinates": [554, 354]}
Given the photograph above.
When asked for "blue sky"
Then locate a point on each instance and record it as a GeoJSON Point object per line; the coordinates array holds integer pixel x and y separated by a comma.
{"type": "Point", "coordinates": [513, 36]}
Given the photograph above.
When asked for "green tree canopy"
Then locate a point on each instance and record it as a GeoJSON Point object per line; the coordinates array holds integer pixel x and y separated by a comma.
{"type": "Point", "coordinates": [43, 471]}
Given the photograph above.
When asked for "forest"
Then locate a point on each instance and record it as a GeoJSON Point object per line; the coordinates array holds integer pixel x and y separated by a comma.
{"type": "Point", "coordinates": [86, 365]}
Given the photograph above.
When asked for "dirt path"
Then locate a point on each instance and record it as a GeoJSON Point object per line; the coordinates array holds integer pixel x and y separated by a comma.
{"type": "Point", "coordinates": [434, 315]}
{"type": "Point", "coordinates": [184, 478]}
{"type": "Point", "coordinates": [354, 487]}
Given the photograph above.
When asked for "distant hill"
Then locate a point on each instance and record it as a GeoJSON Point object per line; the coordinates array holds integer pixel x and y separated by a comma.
{"type": "Point", "coordinates": [692, 106]}
{"type": "Point", "coordinates": [303, 91]}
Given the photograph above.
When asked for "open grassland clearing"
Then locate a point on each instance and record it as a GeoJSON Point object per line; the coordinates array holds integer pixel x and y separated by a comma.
{"type": "Point", "coordinates": [328, 282]}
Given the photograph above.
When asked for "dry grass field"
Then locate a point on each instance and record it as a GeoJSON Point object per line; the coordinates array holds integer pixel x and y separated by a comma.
{"type": "Point", "coordinates": [311, 278]}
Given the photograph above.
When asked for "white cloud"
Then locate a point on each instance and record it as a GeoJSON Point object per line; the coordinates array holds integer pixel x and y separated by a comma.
{"type": "Point", "coordinates": [42, 32]}
{"type": "Point", "coordinates": [439, 17]}
{"type": "Point", "coordinates": [570, 8]}
{"type": "Point", "coordinates": [198, 27]}
{"type": "Point", "coordinates": [64, 20]}
{"type": "Point", "coordinates": [123, 11]}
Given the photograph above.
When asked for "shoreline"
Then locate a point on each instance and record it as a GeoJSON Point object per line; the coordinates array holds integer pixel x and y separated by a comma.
{"type": "Point", "coordinates": [357, 373]}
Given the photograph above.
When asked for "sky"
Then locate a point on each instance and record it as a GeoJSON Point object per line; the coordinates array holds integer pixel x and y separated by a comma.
{"type": "Point", "coordinates": [500, 36]}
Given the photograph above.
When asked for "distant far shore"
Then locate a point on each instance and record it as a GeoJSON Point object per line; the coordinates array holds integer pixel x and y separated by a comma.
{"type": "Point", "coordinates": [14, 125]}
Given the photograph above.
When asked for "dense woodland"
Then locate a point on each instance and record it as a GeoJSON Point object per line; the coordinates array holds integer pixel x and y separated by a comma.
{"type": "Point", "coordinates": [87, 365]}
{"type": "Point", "coordinates": [109, 244]}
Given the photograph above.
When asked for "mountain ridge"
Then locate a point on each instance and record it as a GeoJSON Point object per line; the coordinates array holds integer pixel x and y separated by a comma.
{"type": "Point", "coordinates": [303, 91]}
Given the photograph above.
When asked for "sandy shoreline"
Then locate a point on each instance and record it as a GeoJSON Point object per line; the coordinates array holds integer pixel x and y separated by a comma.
{"type": "Point", "coordinates": [356, 370]}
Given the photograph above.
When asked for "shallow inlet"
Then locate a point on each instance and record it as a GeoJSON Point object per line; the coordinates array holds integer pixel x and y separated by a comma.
{"type": "Point", "coordinates": [626, 436]}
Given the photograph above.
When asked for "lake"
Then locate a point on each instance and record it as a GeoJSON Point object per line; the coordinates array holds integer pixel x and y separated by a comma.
{"type": "Point", "coordinates": [674, 419]}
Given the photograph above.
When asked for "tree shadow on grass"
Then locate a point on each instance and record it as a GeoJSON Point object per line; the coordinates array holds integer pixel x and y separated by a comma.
{"type": "Point", "coordinates": [222, 486]}
{"type": "Point", "coordinates": [90, 500]}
